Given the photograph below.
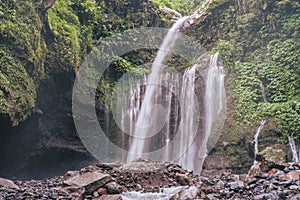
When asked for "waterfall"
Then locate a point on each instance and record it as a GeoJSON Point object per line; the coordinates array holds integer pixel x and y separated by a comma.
{"type": "Point", "coordinates": [187, 118]}
{"type": "Point", "coordinates": [258, 130]}
{"type": "Point", "coordinates": [144, 127]}
{"type": "Point", "coordinates": [179, 116]}
{"type": "Point", "coordinates": [163, 106]}
{"type": "Point", "coordinates": [293, 149]}
{"type": "Point", "coordinates": [263, 92]}
{"type": "Point", "coordinates": [214, 103]}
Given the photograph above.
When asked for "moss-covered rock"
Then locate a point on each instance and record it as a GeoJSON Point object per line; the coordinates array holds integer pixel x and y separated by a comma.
{"type": "Point", "coordinates": [271, 157]}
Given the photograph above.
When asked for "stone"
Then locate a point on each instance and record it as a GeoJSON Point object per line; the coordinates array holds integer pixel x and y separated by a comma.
{"type": "Point", "coordinates": [182, 179]}
{"type": "Point", "coordinates": [272, 195]}
{"type": "Point", "coordinates": [271, 157]}
{"type": "Point", "coordinates": [295, 197]}
{"type": "Point", "coordinates": [75, 192]}
{"type": "Point", "coordinates": [91, 181]}
{"type": "Point", "coordinates": [286, 183]}
{"type": "Point", "coordinates": [138, 187]}
{"type": "Point", "coordinates": [252, 181]}
{"type": "Point", "coordinates": [95, 194]}
{"type": "Point", "coordinates": [191, 192]}
{"type": "Point", "coordinates": [293, 175]}
{"type": "Point", "coordinates": [264, 175]}
{"type": "Point", "coordinates": [279, 174]}
{"type": "Point", "coordinates": [220, 184]}
{"type": "Point", "coordinates": [113, 188]}
{"type": "Point", "coordinates": [236, 185]}
{"type": "Point", "coordinates": [8, 183]}
{"type": "Point", "coordinates": [293, 187]}
{"type": "Point", "coordinates": [102, 191]}
{"type": "Point", "coordinates": [286, 170]}
{"type": "Point", "coordinates": [141, 165]}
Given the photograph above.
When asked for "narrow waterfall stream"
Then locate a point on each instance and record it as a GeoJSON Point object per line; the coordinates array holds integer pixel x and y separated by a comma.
{"type": "Point", "coordinates": [214, 103]}
{"type": "Point", "coordinates": [258, 130]}
{"type": "Point", "coordinates": [187, 118]}
{"type": "Point", "coordinates": [294, 149]}
{"type": "Point", "coordinates": [262, 122]}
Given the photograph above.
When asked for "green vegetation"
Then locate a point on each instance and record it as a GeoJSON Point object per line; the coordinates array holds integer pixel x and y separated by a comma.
{"type": "Point", "coordinates": [263, 49]}
{"type": "Point", "coordinates": [21, 60]}
{"type": "Point", "coordinates": [185, 7]}
{"type": "Point", "coordinates": [259, 42]}
{"type": "Point", "coordinates": [35, 45]}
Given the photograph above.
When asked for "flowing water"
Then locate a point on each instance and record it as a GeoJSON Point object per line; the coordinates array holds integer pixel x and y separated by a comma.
{"type": "Point", "coordinates": [258, 130]}
{"type": "Point", "coordinates": [144, 128]}
{"type": "Point", "coordinates": [214, 103]}
{"type": "Point", "coordinates": [293, 149]}
{"type": "Point", "coordinates": [163, 105]}
{"type": "Point", "coordinates": [165, 194]}
{"type": "Point", "coordinates": [187, 118]}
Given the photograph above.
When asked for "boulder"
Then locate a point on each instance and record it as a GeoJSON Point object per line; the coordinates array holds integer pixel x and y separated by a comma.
{"type": "Point", "coordinates": [293, 175]}
{"type": "Point", "coordinates": [191, 192]}
{"type": "Point", "coordinates": [113, 188]}
{"type": "Point", "coordinates": [91, 181]}
{"type": "Point", "coordinates": [75, 191]}
{"type": "Point", "coordinates": [182, 179]}
{"type": "Point", "coordinates": [8, 183]}
{"type": "Point", "coordinates": [272, 158]}
{"type": "Point", "coordinates": [236, 185]}
{"type": "Point", "coordinates": [142, 165]}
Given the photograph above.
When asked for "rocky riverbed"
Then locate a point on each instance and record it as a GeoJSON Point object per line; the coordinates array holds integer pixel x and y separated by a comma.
{"type": "Point", "coordinates": [144, 179]}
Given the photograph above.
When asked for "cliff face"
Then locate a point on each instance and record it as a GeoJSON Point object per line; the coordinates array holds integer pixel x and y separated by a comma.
{"type": "Point", "coordinates": [259, 42]}
{"type": "Point", "coordinates": [41, 50]}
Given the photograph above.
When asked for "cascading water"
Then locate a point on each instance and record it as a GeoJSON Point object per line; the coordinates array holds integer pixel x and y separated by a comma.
{"type": "Point", "coordinates": [214, 103]}
{"type": "Point", "coordinates": [187, 118]}
{"type": "Point", "coordinates": [294, 149]}
{"type": "Point", "coordinates": [181, 117]}
{"type": "Point", "coordinates": [258, 130]}
{"type": "Point", "coordinates": [143, 126]}
{"type": "Point", "coordinates": [142, 119]}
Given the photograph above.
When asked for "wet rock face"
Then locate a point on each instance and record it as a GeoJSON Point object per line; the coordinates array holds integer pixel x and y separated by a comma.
{"type": "Point", "coordinates": [46, 144]}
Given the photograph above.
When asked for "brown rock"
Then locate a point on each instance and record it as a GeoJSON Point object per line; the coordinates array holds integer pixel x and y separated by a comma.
{"type": "Point", "coordinates": [8, 183]}
{"type": "Point", "coordinates": [272, 171]}
{"type": "Point", "coordinates": [113, 188]}
{"type": "Point", "coordinates": [102, 191]}
{"type": "Point", "coordinates": [182, 179]}
{"type": "Point", "coordinates": [91, 181]}
{"type": "Point", "coordinates": [75, 192]}
{"type": "Point", "coordinates": [293, 175]}
{"type": "Point", "coordinates": [187, 193]}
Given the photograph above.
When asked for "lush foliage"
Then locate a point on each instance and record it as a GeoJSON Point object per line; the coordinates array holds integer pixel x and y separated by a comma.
{"type": "Point", "coordinates": [262, 53]}
{"type": "Point", "coordinates": [34, 44]}
{"type": "Point", "coordinates": [182, 6]}
{"type": "Point", "coordinates": [21, 60]}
